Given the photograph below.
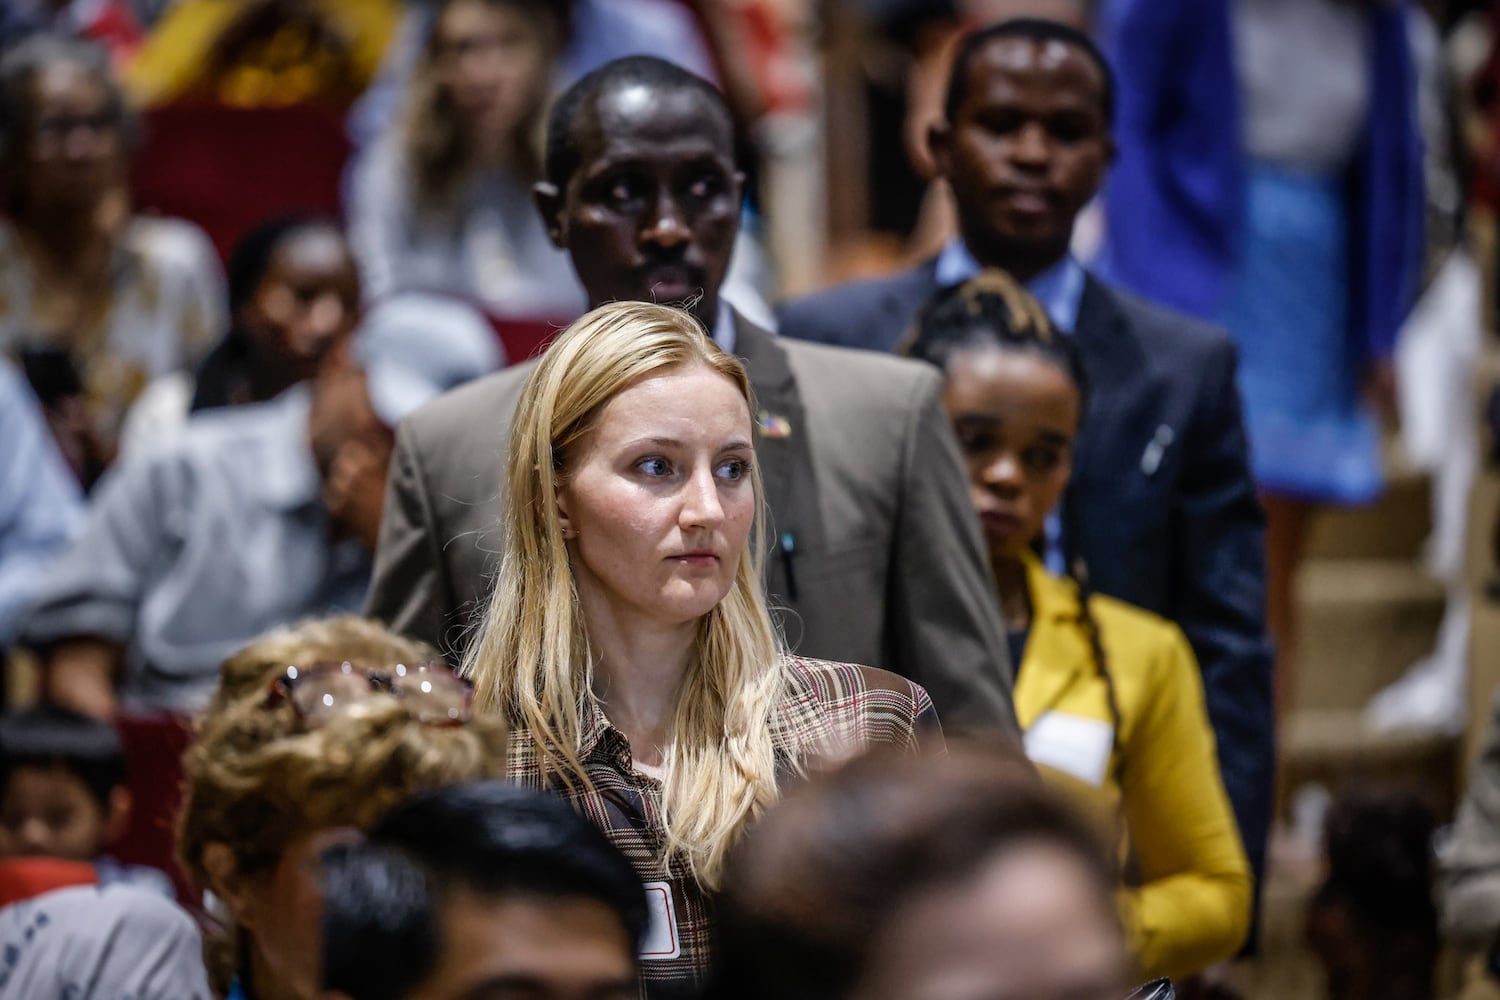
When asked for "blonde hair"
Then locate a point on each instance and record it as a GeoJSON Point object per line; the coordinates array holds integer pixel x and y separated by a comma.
{"type": "Point", "coordinates": [532, 660]}
{"type": "Point", "coordinates": [256, 778]}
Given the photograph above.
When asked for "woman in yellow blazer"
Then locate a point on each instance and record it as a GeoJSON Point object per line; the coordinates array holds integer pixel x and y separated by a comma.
{"type": "Point", "coordinates": [1109, 695]}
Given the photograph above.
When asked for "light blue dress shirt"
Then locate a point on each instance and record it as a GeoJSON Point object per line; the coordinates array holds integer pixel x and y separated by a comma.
{"type": "Point", "coordinates": [1060, 291]}
{"type": "Point", "coordinates": [1059, 288]}
{"type": "Point", "coordinates": [194, 548]}
{"type": "Point", "coordinates": [41, 506]}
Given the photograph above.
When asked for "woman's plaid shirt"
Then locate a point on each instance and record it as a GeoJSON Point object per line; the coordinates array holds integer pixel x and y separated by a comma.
{"type": "Point", "coordinates": [831, 709]}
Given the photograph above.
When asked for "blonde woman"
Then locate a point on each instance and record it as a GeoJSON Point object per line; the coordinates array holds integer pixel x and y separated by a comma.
{"type": "Point", "coordinates": [291, 760]}
{"type": "Point", "coordinates": [628, 642]}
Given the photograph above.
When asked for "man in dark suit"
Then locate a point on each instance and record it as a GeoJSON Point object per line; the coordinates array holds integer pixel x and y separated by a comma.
{"type": "Point", "coordinates": [877, 553]}
{"type": "Point", "coordinates": [1164, 500]}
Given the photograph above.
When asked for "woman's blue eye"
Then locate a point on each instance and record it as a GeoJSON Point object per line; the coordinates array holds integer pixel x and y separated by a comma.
{"type": "Point", "coordinates": [654, 466]}
{"type": "Point", "coordinates": [734, 470]}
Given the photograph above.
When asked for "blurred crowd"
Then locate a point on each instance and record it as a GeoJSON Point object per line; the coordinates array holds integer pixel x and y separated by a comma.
{"type": "Point", "coordinates": [603, 498]}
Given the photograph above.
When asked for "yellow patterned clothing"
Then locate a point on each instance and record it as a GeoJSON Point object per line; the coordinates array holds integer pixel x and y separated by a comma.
{"type": "Point", "coordinates": [328, 57]}
{"type": "Point", "coordinates": [1157, 782]}
{"type": "Point", "coordinates": [161, 312]}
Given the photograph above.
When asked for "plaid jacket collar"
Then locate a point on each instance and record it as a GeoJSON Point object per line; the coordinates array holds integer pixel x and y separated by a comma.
{"type": "Point", "coordinates": [798, 726]}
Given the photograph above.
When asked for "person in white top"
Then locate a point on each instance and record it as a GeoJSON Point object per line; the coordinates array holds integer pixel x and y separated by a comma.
{"type": "Point", "coordinates": [95, 301]}
{"type": "Point", "coordinates": [443, 201]}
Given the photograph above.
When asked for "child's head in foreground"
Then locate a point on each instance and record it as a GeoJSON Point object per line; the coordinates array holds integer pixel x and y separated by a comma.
{"type": "Point", "coordinates": [62, 784]}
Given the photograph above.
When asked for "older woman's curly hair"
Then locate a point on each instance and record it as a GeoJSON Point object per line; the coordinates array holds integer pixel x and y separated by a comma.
{"type": "Point", "coordinates": [257, 779]}
{"type": "Point", "coordinates": [316, 640]}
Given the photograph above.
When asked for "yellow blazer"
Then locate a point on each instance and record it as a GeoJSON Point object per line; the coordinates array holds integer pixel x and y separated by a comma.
{"type": "Point", "coordinates": [1189, 897]}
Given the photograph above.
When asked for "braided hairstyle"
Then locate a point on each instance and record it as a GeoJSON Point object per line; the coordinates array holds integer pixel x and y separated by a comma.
{"type": "Point", "coordinates": [992, 309]}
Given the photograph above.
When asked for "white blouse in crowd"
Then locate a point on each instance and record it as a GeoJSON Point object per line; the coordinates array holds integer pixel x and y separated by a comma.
{"type": "Point", "coordinates": [487, 245]}
{"type": "Point", "coordinates": [1305, 78]}
{"type": "Point", "coordinates": [163, 311]}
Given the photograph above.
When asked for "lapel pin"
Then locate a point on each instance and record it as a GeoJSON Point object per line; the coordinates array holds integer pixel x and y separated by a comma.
{"type": "Point", "coordinates": [1156, 450]}
{"type": "Point", "coordinates": [772, 425]}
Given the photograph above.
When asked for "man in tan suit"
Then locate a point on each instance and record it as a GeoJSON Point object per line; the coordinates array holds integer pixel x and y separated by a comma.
{"type": "Point", "coordinates": [876, 556]}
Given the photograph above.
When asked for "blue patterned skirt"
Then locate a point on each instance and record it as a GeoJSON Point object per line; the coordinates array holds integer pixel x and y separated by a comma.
{"type": "Point", "coordinates": [1311, 435]}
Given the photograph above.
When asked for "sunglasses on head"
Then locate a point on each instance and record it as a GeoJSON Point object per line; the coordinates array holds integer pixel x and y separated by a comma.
{"type": "Point", "coordinates": [430, 692]}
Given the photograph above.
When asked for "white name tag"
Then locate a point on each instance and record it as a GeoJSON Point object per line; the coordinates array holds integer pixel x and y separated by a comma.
{"type": "Point", "coordinates": [661, 931]}
{"type": "Point", "coordinates": [1072, 744]}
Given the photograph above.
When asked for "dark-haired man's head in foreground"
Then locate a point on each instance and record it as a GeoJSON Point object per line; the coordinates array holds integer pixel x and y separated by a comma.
{"type": "Point", "coordinates": [482, 891]}
{"type": "Point", "coordinates": [921, 877]}
{"type": "Point", "coordinates": [641, 186]}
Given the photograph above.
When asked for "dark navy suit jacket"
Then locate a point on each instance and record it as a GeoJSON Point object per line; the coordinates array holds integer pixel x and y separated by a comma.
{"type": "Point", "coordinates": [1167, 510]}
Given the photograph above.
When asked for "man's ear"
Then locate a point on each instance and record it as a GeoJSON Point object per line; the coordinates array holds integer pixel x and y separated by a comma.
{"type": "Point", "coordinates": [939, 143]}
{"type": "Point", "coordinates": [549, 202]}
{"type": "Point", "coordinates": [117, 819]}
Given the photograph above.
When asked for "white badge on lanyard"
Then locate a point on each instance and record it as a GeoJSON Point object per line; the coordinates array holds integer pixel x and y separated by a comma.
{"type": "Point", "coordinates": [661, 930]}
{"type": "Point", "coordinates": [1072, 744]}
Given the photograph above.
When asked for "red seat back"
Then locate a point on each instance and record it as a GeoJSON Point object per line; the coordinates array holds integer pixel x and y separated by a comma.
{"type": "Point", "coordinates": [154, 745]}
{"type": "Point", "coordinates": [228, 169]}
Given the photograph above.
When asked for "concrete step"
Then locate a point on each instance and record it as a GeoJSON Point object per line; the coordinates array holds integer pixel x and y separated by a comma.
{"type": "Point", "coordinates": [1393, 527]}
{"type": "Point", "coordinates": [1335, 748]}
{"type": "Point", "coordinates": [1282, 967]}
{"type": "Point", "coordinates": [1361, 624]}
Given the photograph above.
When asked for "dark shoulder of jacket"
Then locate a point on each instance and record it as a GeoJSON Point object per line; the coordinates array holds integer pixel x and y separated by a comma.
{"type": "Point", "coordinates": [837, 314]}
{"type": "Point", "coordinates": [1164, 329]}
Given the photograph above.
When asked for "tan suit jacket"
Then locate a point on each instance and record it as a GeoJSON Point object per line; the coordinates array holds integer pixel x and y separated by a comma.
{"type": "Point", "coordinates": [889, 566]}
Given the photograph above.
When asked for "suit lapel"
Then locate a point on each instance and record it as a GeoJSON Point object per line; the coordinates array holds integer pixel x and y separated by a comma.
{"type": "Point", "coordinates": [1116, 367]}
{"type": "Point", "coordinates": [902, 297]}
{"type": "Point", "coordinates": [1056, 654]}
{"type": "Point", "coordinates": [782, 444]}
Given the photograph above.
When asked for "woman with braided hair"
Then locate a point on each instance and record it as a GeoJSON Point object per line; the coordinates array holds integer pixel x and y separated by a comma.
{"type": "Point", "coordinates": [1109, 695]}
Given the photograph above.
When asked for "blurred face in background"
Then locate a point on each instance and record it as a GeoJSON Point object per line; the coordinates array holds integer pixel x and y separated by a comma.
{"type": "Point", "coordinates": [1027, 149]}
{"type": "Point", "coordinates": [1016, 415]}
{"type": "Point", "coordinates": [536, 948]}
{"type": "Point", "coordinates": [307, 301]}
{"type": "Point", "coordinates": [342, 414]}
{"type": "Point", "coordinates": [73, 149]}
{"type": "Point", "coordinates": [281, 911]}
{"type": "Point", "coordinates": [49, 811]}
{"type": "Point", "coordinates": [493, 61]}
{"type": "Point", "coordinates": [1031, 924]}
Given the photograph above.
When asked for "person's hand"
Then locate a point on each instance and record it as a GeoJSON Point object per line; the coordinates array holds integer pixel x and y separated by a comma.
{"type": "Point", "coordinates": [354, 489]}
{"type": "Point", "coordinates": [81, 442]}
{"type": "Point", "coordinates": [80, 675]}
